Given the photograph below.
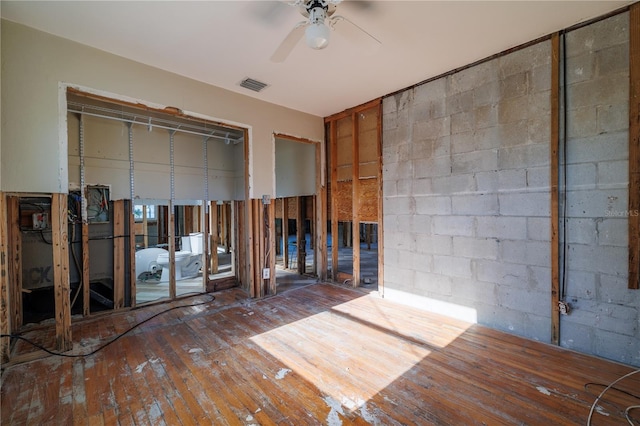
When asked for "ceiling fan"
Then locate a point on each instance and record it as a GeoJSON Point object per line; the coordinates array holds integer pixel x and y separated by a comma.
{"type": "Point", "coordinates": [321, 20]}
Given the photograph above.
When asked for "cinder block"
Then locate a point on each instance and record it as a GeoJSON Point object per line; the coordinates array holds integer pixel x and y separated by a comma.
{"type": "Point", "coordinates": [487, 94]}
{"type": "Point", "coordinates": [431, 91]}
{"type": "Point", "coordinates": [459, 102]}
{"type": "Point", "coordinates": [475, 248]}
{"type": "Point", "coordinates": [419, 112]}
{"type": "Point", "coordinates": [485, 116]}
{"type": "Point", "coordinates": [432, 128]}
{"type": "Point", "coordinates": [512, 180]}
{"type": "Point", "coordinates": [613, 232]}
{"type": "Point", "coordinates": [525, 204]}
{"type": "Point", "coordinates": [576, 336]}
{"type": "Point", "coordinates": [582, 121]}
{"type": "Point", "coordinates": [399, 278]}
{"type": "Point", "coordinates": [515, 85]}
{"type": "Point", "coordinates": [581, 286]}
{"type": "Point", "coordinates": [421, 186]}
{"type": "Point", "coordinates": [462, 122]}
{"type": "Point", "coordinates": [539, 178]}
{"type": "Point", "coordinates": [475, 204]}
{"type": "Point", "coordinates": [539, 228]}
{"type": "Point", "coordinates": [540, 79]}
{"type": "Point", "coordinates": [404, 187]}
{"type": "Point", "coordinates": [487, 138]}
{"type": "Point", "coordinates": [531, 253]}
{"type": "Point", "coordinates": [617, 347]}
{"type": "Point", "coordinates": [522, 299]}
{"type": "Point", "coordinates": [612, 60]}
{"type": "Point", "coordinates": [502, 273]}
{"type": "Point", "coordinates": [442, 146]}
{"type": "Point", "coordinates": [438, 108]}
{"type": "Point", "coordinates": [434, 244]}
{"type": "Point", "coordinates": [390, 223]}
{"type": "Point", "coordinates": [470, 78]}
{"type": "Point", "coordinates": [475, 161]}
{"type": "Point", "coordinates": [602, 34]}
{"type": "Point", "coordinates": [538, 326]}
{"type": "Point", "coordinates": [613, 118]}
{"type": "Point", "coordinates": [581, 176]}
{"type": "Point", "coordinates": [540, 129]}
{"type": "Point", "coordinates": [539, 104]}
{"type": "Point", "coordinates": [466, 289]}
{"type": "Point", "coordinates": [419, 224]}
{"type": "Point", "coordinates": [399, 241]}
{"type": "Point", "coordinates": [431, 167]}
{"type": "Point", "coordinates": [422, 148]}
{"type": "Point", "coordinates": [607, 147]}
{"type": "Point", "coordinates": [433, 284]}
{"type": "Point", "coordinates": [433, 205]}
{"type": "Point", "coordinates": [513, 109]}
{"type": "Point", "coordinates": [539, 278]}
{"type": "Point", "coordinates": [580, 67]}
{"type": "Point", "coordinates": [452, 266]}
{"type": "Point", "coordinates": [580, 230]}
{"type": "Point", "coordinates": [463, 142]}
{"type": "Point", "coordinates": [514, 133]}
{"type": "Point", "coordinates": [510, 320]}
{"type": "Point", "coordinates": [463, 183]}
{"type": "Point", "coordinates": [487, 181]}
{"type": "Point", "coordinates": [452, 225]}
{"type": "Point", "coordinates": [597, 203]}
{"type": "Point", "coordinates": [524, 59]}
{"type": "Point", "coordinates": [389, 188]}
{"type": "Point", "coordinates": [397, 171]}
{"type": "Point", "coordinates": [501, 227]}
{"type": "Point", "coordinates": [400, 205]}
{"type": "Point", "coordinates": [523, 156]}
{"type": "Point", "coordinates": [604, 259]}
{"type": "Point", "coordinates": [610, 89]}
{"type": "Point", "coordinates": [613, 289]}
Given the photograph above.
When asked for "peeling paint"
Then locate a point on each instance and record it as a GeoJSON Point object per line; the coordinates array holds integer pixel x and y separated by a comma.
{"type": "Point", "coordinates": [283, 372]}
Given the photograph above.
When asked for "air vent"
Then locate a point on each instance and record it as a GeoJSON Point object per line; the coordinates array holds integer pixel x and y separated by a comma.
{"type": "Point", "coordinates": [251, 84]}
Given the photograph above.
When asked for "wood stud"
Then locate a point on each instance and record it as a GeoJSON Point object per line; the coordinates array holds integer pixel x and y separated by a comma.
{"type": "Point", "coordinates": [62, 288]}
{"type": "Point", "coordinates": [118, 254]}
{"type": "Point", "coordinates": [5, 324]}
{"type": "Point", "coordinates": [634, 146]}
{"type": "Point", "coordinates": [555, 198]}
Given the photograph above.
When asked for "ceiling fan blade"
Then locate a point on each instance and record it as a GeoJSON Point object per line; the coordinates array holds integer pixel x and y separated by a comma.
{"type": "Point", "coordinates": [289, 42]}
{"type": "Point", "coordinates": [355, 33]}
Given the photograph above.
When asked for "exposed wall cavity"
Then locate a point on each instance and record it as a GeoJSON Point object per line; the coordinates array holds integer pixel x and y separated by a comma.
{"type": "Point", "coordinates": [467, 194]}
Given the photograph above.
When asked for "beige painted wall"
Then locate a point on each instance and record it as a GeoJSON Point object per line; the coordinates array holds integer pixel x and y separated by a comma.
{"type": "Point", "coordinates": [34, 146]}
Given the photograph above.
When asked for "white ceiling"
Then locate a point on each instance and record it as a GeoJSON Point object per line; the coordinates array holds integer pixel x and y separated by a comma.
{"type": "Point", "coordinates": [222, 42]}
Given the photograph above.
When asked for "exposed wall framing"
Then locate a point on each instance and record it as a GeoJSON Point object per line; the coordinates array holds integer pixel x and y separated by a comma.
{"type": "Point", "coordinates": [555, 198]}
{"type": "Point", "coordinates": [15, 261]}
{"type": "Point", "coordinates": [355, 191]}
{"type": "Point", "coordinates": [634, 146]}
{"type": "Point", "coordinates": [119, 254]}
{"type": "Point", "coordinates": [62, 289]}
{"type": "Point", "coordinates": [5, 325]}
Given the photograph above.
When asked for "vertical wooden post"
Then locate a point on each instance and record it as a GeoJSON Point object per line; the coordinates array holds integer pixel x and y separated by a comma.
{"type": "Point", "coordinates": [118, 254]}
{"type": "Point", "coordinates": [61, 285]}
{"type": "Point", "coordinates": [271, 258]}
{"type": "Point", "coordinates": [634, 146]}
{"type": "Point", "coordinates": [206, 249]}
{"type": "Point", "coordinates": [356, 200]}
{"type": "Point", "coordinates": [300, 237]}
{"type": "Point", "coordinates": [172, 251]}
{"type": "Point", "coordinates": [5, 302]}
{"type": "Point", "coordinates": [380, 233]}
{"type": "Point", "coordinates": [145, 225]}
{"type": "Point", "coordinates": [86, 281]}
{"type": "Point", "coordinates": [227, 226]}
{"type": "Point", "coordinates": [285, 232]}
{"type": "Point", "coordinates": [214, 238]}
{"type": "Point", "coordinates": [15, 261]}
{"type": "Point", "coordinates": [321, 215]}
{"type": "Point", "coordinates": [555, 198]}
{"type": "Point", "coordinates": [335, 242]}
{"type": "Point", "coordinates": [132, 255]}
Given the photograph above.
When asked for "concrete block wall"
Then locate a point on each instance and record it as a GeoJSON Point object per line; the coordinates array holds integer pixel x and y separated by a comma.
{"type": "Point", "coordinates": [466, 187]}
{"type": "Point", "coordinates": [605, 319]}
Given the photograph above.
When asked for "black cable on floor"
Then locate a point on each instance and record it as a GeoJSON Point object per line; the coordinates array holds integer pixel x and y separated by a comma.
{"type": "Point", "coordinates": [17, 336]}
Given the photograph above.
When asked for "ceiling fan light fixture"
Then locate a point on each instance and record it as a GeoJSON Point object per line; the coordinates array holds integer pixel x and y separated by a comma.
{"type": "Point", "coordinates": [317, 36]}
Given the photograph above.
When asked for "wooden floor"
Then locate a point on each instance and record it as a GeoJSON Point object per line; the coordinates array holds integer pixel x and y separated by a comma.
{"type": "Point", "coordinates": [319, 354]}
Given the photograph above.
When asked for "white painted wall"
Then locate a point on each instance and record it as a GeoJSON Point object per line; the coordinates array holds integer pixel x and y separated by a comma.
{"type": "Point", "coordinates": [295, 168]}
{"type": "Point", "coordinates": [34, 148]}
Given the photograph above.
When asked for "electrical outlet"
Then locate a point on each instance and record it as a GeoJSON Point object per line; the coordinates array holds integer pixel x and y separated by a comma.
{"type": "Point", "coordinates": [40, 220]}
{"type": "Point", "coordinates": [266, 273]}
{"type": "Point", "coordinates": [564, 307]}
{"type": "Point", "coordinates": [266, 199]}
